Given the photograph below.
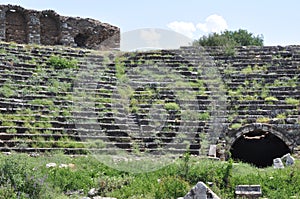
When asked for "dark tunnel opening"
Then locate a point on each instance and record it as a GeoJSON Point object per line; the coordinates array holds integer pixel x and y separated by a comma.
{"type": "Point", "coordinates": [81, 40]}
{"type": "Point", "coordinates": [258, 148]}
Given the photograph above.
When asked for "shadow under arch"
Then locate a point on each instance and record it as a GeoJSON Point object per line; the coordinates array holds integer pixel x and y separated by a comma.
{"type": "Point", "coordinates": [16, 29]}
{"type": "Point", "coordinates": [81, 39]}
{"type": "Point", "coordinates": [259, 144]}
{"type": "Point", "coordinates": [50, 28]}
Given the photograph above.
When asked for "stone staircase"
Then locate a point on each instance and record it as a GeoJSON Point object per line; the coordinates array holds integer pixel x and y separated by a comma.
{"type": "Point", "coordinates": [166, 101]}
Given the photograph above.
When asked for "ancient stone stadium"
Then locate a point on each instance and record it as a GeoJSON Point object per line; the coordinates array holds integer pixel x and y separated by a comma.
{"type": "Point", "coordinates": [80, 100]}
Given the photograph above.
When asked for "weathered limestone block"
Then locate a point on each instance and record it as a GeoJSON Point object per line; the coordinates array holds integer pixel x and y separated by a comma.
{"type": "Point", "coordinates": [248, 191]}
{"type": "Point", "coordinates": [200, 191]}
{"type": "Point", "coordinates": [289, 160]}
{"type": "Point", "coordinates": [277, 163]}
{"type": "Point", "coordinates": [212, 150]}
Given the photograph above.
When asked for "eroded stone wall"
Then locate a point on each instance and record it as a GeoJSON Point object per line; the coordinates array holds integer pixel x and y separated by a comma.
{"type": "Point", "coordinates": [48, 28]}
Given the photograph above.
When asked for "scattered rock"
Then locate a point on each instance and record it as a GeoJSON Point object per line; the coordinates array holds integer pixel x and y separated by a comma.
{"type": "Point", "coordinates": [277, 163]}
{"type": "Point", "coordinates": [289, 160]}
{"type": "Point", "coordinates": [72, 166]}
{"type": "Point", "coordinates": [248, 191]}
{"type": "Point", "coordinates": [6, 153]}
{"type": "Point", "coordinates": [291, 121]}
{"type": "Point", "coordinates": [63, 166]}
{"type": "Point", "coordinates": [212, 150]}
{"type": "Point", "coordinates": [34, 155]}
{"type": "Point", "coordinates": [92, 192]}
{"type": "Point", "coordinates": [50, 165]}
{"type": "Point", "coordinates": [200, 191]}
{"type": "Point", "coordinates": [76, 192]}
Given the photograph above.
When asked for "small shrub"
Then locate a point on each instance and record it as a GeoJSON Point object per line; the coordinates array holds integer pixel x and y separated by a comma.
{"type": "Point", "coordinates": [172, 106]}
{"type": "Point", "coordinates": [134, 109]}
{"type": "Point", "coordinates": [292, 101]}
{"type": "Point", "coordinates": [11, 131]}
{"type": "Point", "coordinates": [171, 187]}
{"type": "Point", "coordinates": [67, 179]}
{"type": "Point", "coordinates": [247, 70]}
{"type": "Point", "coordinates": [44, 102]}
{"type": "Point", "coordinates": [264, 92]}
{"type": "Point", "coordinates": [204, 116]}
{"type": "Point", "coordinates": [62, 63]}
{"type": "Point", "coordinates": [100, 144]}
{"type": "Point", "coordinates": [270, 99]}
{"type": "Point", "coordinates": [229, 49]}
{"type": "Point", "coordinates": [18, 177]}
{"type": "Point", "coordinates": [263, 120]}
{"type": "Point", "coordinates": [281, 116]}
{"type": "Point", "coordinates": [120, 67]}
{"type": "Point", "coordinates": [8, 123]}
{"type": "Point", "coordinates": [236, 126]}
{"type": "Point", "coordinates": [7, 91]}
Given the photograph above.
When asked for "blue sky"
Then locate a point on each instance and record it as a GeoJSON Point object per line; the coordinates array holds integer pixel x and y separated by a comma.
{"type": "Point", "coordinates": [277, 21]}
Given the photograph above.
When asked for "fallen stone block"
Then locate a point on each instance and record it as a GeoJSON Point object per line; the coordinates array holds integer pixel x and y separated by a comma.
{"type": "Point", "coordinates": [248, 191]}
{"type": "Point", "coordinates": [288, 159]}
{"type": "Point", "coordinates": [277, 163]}
{"type": "Point", "coordinates": [200, 191]}
{"type": "Point", "coordinates": [212, 150]}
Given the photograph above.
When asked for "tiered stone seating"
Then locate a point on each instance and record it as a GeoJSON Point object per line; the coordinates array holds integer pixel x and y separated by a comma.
{"type": "Point", "coordinates": [148, 101]}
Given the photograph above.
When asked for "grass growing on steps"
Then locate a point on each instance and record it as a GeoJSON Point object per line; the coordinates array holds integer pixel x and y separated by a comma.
{"type": "Point", "coordinates": [22, 176]}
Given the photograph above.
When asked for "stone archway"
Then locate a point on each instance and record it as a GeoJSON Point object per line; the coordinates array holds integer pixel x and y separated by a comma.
{"type": "Point", "coordinates": [259, 144]}
{"type": "Point", "coordinates": [50, 29]}
{"type": "Point", "coordinates": [16, 27]}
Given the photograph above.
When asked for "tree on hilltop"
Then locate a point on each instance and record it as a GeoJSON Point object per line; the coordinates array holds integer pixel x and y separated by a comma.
{"type": "Point", "coordinates": [230, 38]}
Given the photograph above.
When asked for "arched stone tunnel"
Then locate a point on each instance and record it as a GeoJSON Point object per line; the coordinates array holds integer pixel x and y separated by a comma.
{"type": "Point", "coordinates": [258, 147]}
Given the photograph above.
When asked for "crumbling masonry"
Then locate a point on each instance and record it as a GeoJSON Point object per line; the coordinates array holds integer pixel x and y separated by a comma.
{"type": "Point", "coordinates": [48, 28]}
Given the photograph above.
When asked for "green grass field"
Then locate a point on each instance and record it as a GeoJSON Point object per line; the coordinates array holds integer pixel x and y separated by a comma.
{"type": "Point", "coordinates": [22, 176]}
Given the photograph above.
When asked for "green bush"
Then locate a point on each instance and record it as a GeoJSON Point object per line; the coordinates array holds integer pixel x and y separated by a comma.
{"type": "Point", "coordinates": [292, 101]}
{"type": "Point", "coordinates": [43, 102]}
{"type": "Point", "coordinates": [204, 116]}
{"type": "Point", "coordinates": [62, 63]}
{"type": "Point", "coordinates": [171, 187]}
{"type": "Point", "coordinates": [247, 70]}
{"type": "Point", "coordinates": [230, 38]}
{"type": "Point", "coordinates": [236, 126]}
{"type": "Point", "coordinates": [67, 179]}
{"type": "Point", "coordinates": [270, 99]}
{"type": "Point", "coordinates": [7, 91]}
{"type": "Point", "coordinates": [172, 106]}
{"type": "Point", "coordinates": [120, 67]}
{"type": "Point", "coordinates": [263, 120]}
{"type": "Point", "coordinates": [18, 180]}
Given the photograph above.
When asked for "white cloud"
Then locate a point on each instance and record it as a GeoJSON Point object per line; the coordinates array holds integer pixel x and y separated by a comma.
{"type": "Point", "coordinates": [185, 28]}
{"type": "Point", "coordinates": [213, 23]}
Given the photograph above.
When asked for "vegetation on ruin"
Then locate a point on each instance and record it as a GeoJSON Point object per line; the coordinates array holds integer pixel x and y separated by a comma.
{"type": "Point", "coordinates": [22, 176]}
{"type": "Point", "coordinates": [172, 106]}
{"type": "Point", "coordinates": [292, 101]}
{"type": "Point", "coordinates": [231, 38]}
{"type": "Point", "coordinates": [59, 62]}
